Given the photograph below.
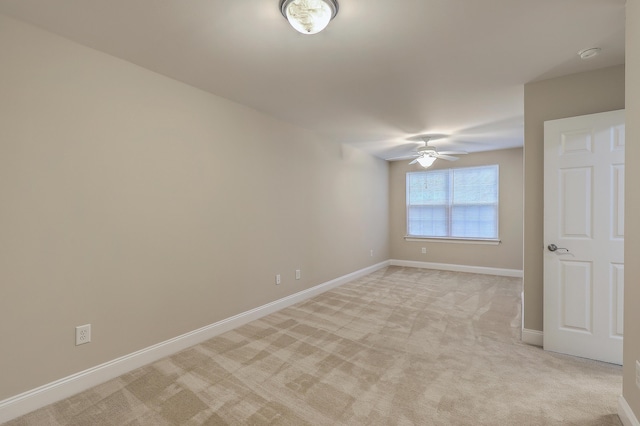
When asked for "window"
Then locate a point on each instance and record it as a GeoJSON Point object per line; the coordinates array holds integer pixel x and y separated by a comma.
{"type": "Point", "coordinates": [453, 203]}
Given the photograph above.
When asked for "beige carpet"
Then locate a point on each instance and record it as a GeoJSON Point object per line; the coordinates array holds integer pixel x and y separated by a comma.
{"type": "Point", "coordinates": [401, 346]}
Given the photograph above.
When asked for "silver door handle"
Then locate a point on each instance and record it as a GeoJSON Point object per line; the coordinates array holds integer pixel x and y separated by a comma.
{"type": "Point", "coordinates": [553, 247]}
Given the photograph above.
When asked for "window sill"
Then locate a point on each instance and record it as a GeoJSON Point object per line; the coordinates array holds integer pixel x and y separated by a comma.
{"type": "Point", "coordinates": [489, 241]}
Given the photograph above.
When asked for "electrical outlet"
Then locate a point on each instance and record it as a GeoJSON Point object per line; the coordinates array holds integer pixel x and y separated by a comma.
{"type": "Point", "coordinates": [297, 274]}
{"type": "Point", "coordinates": [424, 250]}
{"type": "Point", "coordinates": [638, 373]}
{"type": "Point", "coordinates": [83, 334]}
{"type": "Point", "coordinates": [278, 280]}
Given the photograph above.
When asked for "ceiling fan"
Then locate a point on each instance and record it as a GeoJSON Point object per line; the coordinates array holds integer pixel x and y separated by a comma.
{"type": "Point", "coordinates": [425, 155]}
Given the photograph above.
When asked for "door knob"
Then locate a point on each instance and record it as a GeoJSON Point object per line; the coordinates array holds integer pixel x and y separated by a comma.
{"type": "Point", "coordinates": [553, 247]}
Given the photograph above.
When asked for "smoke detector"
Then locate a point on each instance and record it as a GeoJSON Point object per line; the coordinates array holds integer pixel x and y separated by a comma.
{"type": "Point", "coordinates": [589, 53]}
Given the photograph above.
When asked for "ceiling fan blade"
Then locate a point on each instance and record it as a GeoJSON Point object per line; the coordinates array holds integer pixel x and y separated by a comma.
{"type": "Point", "coordinates": [413, 162]}
{"type": "Point", "coordinates": [453, 152]}
{"type": "Point", "coordinates": [446, 157]}
{"type": "Point", "coordinates": [404, 157]}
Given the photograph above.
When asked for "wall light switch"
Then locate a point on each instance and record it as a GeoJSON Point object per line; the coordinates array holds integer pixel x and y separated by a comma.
{"type": "Point", "coordinates": [297, 274]}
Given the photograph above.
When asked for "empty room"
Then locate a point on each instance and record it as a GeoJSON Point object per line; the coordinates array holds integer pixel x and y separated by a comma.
{"type": "Point", "coordinates": [319, 212]}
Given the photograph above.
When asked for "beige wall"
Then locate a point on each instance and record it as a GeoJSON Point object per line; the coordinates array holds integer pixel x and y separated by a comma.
{"type": "Point", "coordinates": [506, 255]}
{"type": "Point", "coordinates": [149, 208]}
{"type": "Point", "coordinates": [631, 392]}
{"type": "Point", "coordinates": [573, 95]}
{"type": "Point", "coordinates": [124, 204]}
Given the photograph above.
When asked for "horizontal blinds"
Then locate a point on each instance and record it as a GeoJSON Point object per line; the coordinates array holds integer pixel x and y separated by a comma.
{"type": "Point", "coordinates": [459, 203]}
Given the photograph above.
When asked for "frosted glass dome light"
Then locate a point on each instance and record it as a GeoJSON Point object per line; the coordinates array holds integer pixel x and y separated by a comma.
{"type": "Point", "coordinates": [309, 16]}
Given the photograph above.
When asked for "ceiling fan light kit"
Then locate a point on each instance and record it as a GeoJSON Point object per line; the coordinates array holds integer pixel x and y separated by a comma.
{"type": "Point", "coordinates": [427, 154]}
{"type": "Point", "coordinates": [426, 161]}
{"type": "Point", "coordinates": [309, 16]}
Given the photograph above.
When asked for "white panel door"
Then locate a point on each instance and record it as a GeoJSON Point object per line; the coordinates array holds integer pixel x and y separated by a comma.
{"type": "Point", "coordinates": [584, 235]}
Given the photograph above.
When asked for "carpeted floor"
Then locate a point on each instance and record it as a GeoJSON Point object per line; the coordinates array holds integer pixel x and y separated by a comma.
{"type": "Point", "coordinates": [401, 346]}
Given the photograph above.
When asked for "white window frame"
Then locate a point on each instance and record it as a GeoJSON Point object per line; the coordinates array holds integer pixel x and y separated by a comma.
{"type": "Point", "coordinates": [450, 204]}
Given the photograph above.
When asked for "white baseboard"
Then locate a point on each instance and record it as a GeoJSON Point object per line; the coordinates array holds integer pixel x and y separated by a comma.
{"type": "Point", "coordinates": [26, 402]}
{"type": "Point", "coordinates": [458, 268]}
{"type": "Point", "coordinates": [625, 413]}
{"type": "Point", "coordinates": [532, 337]}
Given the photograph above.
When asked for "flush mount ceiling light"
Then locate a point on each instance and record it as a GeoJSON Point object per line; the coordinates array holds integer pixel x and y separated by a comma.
{"type": "Point", "coordinates": [589, 53]}
{"type": "Point", "coordinates": [309, 16]}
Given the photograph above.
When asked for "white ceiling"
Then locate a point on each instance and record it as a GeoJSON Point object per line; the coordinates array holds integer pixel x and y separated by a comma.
{"type": "Point", "coordinates": [381, 72]}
